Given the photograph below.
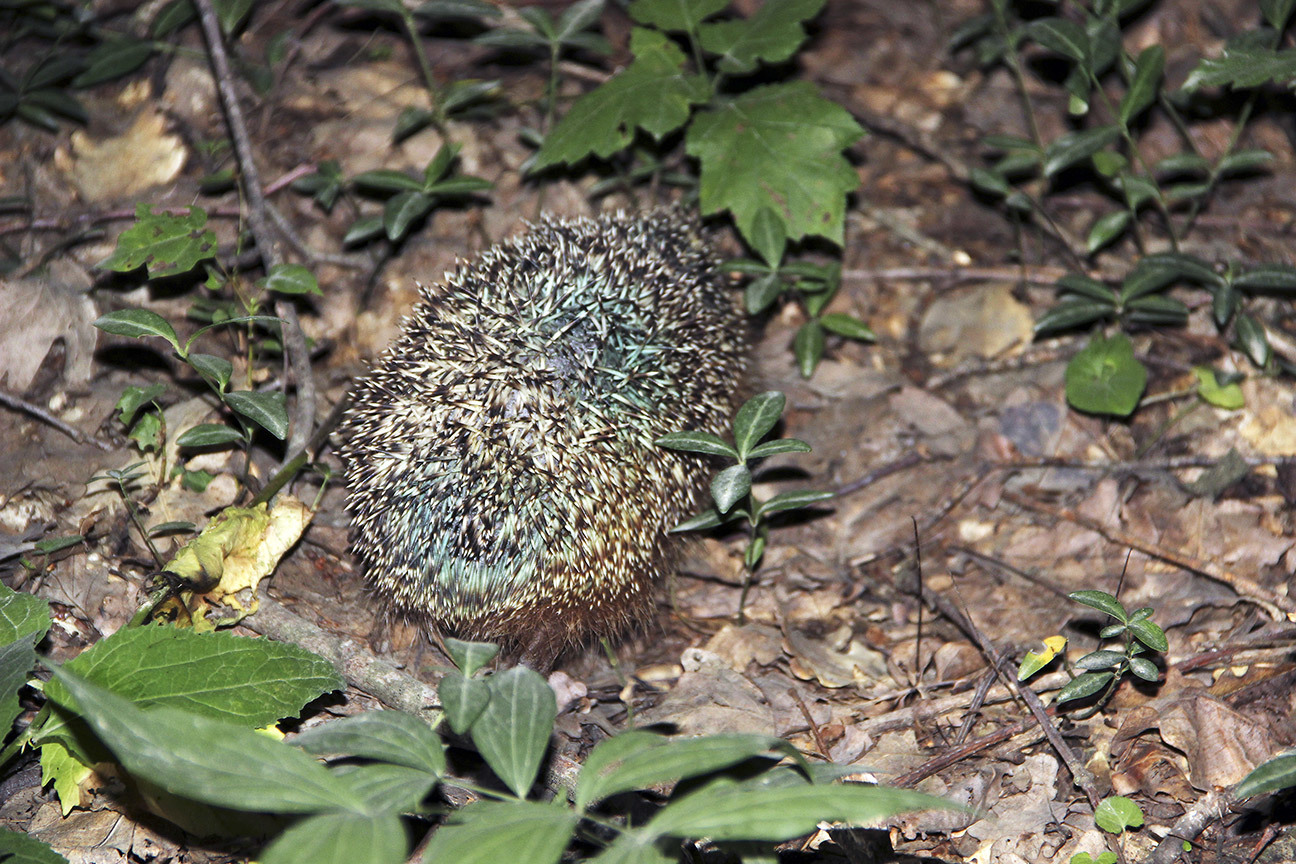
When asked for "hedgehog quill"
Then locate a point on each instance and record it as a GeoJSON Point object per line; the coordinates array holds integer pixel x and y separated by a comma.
{"type": "Point", "coordinates": [502, 477]}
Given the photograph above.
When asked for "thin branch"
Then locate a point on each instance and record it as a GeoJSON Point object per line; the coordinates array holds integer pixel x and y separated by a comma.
{"type": "Point", "coordinates": [20, 404]}
{"type": "Point", "coordinates": [294, 340]}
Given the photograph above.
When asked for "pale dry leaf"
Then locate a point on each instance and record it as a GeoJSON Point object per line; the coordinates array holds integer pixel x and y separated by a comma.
{"type": "Point", "coordinates": [37, 313]}
{"type": "Point", "coordinates": [122, 167]}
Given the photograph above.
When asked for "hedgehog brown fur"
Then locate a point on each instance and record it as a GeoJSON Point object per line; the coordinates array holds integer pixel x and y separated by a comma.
{"type": "Point", "coordinates": [502, 476]}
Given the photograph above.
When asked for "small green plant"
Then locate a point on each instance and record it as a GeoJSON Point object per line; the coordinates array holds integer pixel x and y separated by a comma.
{"type": "Point", "coordinates": [443, 102]}
{"type": "Point", "coordinates": [410, 198]}
{"type": "Point", "coordinates": [1104, 668]}
{"type": "Point", "coordinates": [199, 744]}
{"type": "Point", "coordinates": [1151, 205]}
{"type": "Point", "coordinates": [731, 489]}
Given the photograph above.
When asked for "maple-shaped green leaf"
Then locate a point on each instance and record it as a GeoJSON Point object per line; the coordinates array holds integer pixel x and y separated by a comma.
{"type": "Point", "coordinates": [675, 15]}
{"type": "Point", "coordinates": [166, 244]}
{"type": "Point", "coordinates": [773, 156]}
{"type": "Point", "coordinates": [654, 94]}
{"type": "Point", "coordinates": [771, 35]}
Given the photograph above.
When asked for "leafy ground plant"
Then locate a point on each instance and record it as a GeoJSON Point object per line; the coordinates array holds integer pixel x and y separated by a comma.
{"type": "Point", "coordinates": [1114, 96]}
{"type": "Point", "coordinates": [731, 489]}
{"type": "Point", "coordinates": [133, 696]}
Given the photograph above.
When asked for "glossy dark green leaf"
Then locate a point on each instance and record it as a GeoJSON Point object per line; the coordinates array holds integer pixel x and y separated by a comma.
{"type": "Point", "coordinates": [697, 442]}
{"type": "Point", "coordinates": [808, 346]}
{"type": "Point", "coordinates": [730, 486]}
{"type": "Point", "coordinates": [1073, 312]}
{"type": "Point", "coordinates": [1252, 339]}
{"type": "Point", "coordinates": [1102, 601]}
{"type": "Point", "coordinates": [1275, 278]}
{"type": "Point", "coordinates": [1106, 229]}
{"type": "Point", "coordinates": [1156, 311]}
{"type": "Point", "coordinates": [264, 409]}
{"type": "Point", "coordinates": [1183, 163]}
{"type": "Point", "coordinates": [1145, 83]}
{"type": "Point", "coordinates": [1278, 773]}
{"type": "Point", "coordinates": [792, 501]}
{"type": "Point", "coordinates": [1098, 660]}
{"type": "Point", "coordinates": [292, 279]}
{"type": "Point", "coordinates": [137, 323]}
{"type": "Point", "coordinates": [778, 446]}
{"type": "Point", "coordinates": [1244, 162]}
{"type": "Point", "coordinates": [1083, 685]}
{"type": "Point", "coordinates": [761, 293]}
{"type": "Point", "coordinates": [1144, 668]}
{"type": "Point", "coordinates": [209, 435]}
{"type": "Point", "coordinates": [848, 326]}
{"type": "Point", "coordinates": [757, 418]}
{"type": "Point", "coordinates": [1062, 36]}
{"type": "Point", "coordinates": [1076, 146]}
{"type": "Point", "coordinates": [401, 210]}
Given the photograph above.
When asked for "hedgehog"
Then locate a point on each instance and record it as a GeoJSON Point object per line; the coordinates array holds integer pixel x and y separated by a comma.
{"type": "Point", "coordinates": [502, 478]}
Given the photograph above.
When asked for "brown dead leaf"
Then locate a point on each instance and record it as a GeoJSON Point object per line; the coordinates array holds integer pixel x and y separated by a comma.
{"type": "Point", "coordinates": [1221, 745]}
{"type": "Point", "coordinates": [37, 313]}
{"type": "Point", "coordinates": [709, 698]}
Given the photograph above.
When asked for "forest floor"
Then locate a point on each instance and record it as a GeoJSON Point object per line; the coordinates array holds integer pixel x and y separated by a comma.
{"type": "Point", "coordinates": [971, 498]}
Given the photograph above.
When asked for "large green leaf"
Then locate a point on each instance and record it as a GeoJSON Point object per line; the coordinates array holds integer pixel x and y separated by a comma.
{"type": "Point", "coordinates": [1106, 377]}
{"type": "Point", "coordinates": [654, 94]}
{"type": "Point", "coordinates": [775, 153]}
{"type": "Point", "coordinates": [340, 838]}
{"type": "Point", "coordinates": [513, 732]}
{"type": "Point", "coordinates": [771, 35]}
{"type": "Point", "coordinates": [388, 736]}
{"type": "Point", "coordinates": [166, 244]}
{"type": "Point", "coordinates": [490, 832]}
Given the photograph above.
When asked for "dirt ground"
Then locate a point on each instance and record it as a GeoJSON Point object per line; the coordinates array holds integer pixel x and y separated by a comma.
{"type": "Point", "coordinates": [950, 436]}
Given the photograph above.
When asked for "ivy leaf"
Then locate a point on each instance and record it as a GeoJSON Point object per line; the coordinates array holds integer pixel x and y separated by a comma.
{"type": "Point", "coordinates": [777, 150]}
{"type": "Point", "coordinates": [166, 244]}
{"type": "Point", "coordinates": [1105, 377]}
{"type": "Point", "coordinates": [772, 34]}
{"type": "Point", "coordinates": [653, 94]}
{"type": "Point", "coordinates": [675, 15]}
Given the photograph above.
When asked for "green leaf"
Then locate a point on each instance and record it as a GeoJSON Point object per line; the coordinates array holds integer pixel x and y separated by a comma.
{"type": "Point", "coordinates": [231, 13]}
{"type": "Point", "coordinates": [708, 518]}
{"type": "Point", "coordinates": [1106, 229]}
{"type": "Point", "coordinates": [654, 94]}
{"type": "Point", "coordinates": [577, 17]}
{"type": "Point", "coordinates": [730, 486]}
{"type": "Point", "coordinates": [386, 736]}
{"type": "Point", "coordinates": [133, 398]}
{"type": "Point", "coordinates": [1243, 162]}
{"type": "Point", "coordinates": [1076, 146]}
{"type": "Point", "coordinates": [401, 210]}
{"type": "Point", "coordinates": [205, 759]}
{"type": "Point", "coordinates": [165, 244]}
{"type": "Point", "coordinates": [1073, 312]}
{"type": "Point", "coordinates": [1243, 67]}
{"type": "Point", "coordinates": [1183, 163]}
{"type": "Point", "coordinates": [470, 656]}
{"type": "Point", "coordinates": [768, 237]}
{"type": "Point", "coordinates": [772, 34]}
{"type": "Point", "coordinates": [792, 501]}
{"type": "Point", "coordinates": [779, 814]}
{"type": "Point", "coordinates": [1189, 268]}
{"type": "Point", "coordinates": [1117, 813]}
{"type": "Point", "coordinates": [264, 409]}
{"type": "Point", "coordinates": [340, 838]}
{"type": "Point", "coordinates": [17, 659]}
{"type": "Point", "coordinates": [1061, 36]}
{"type": "Point", "coordinates": [1150, 634]}
{"type": "Point", "coordinates": [761, 293]}
{"type": "Point", "coordinates": [292, 279]}
{"type": "Point", "coordinates": [1103, 602]}
{"type": "Point", "coordinates": [756, 418]}
{"type": "Point", "coordinates": [18, 848]}
{"type": "Point", "coordinates": [848, 326]}
{"type": "Point", "coordinates": [1278, 773]}
{"type": "Point", "coordinates": [778, 446]}
{"type": "Point", "coordinates": [252, 682]}
{"type": "Point", "coordinates": [808, 346]}
{"type": "Point", "coordinates": [1083, 686]}
{"type": "Point", "coordinates": [1144, 668]}
{"type": "Point", "coordinates": [209, 435]}
{"type": "Point", "coordinates": [1105, 377]}
{"type": "Point", "coordinates": [490, 832]}
{"type": "Point", "coordinates": [137, 323]}
{"type": "Point", "coordinates": [513, 732]}
{"type": "Point", "coordinates": [1156, 310]}
{"type": "Point", "coordinates": [1078, 283]}
{"type": "Point", "coordinates": [113, 59]}
{"type": "Point", "coordinates": [1226, 396]}
{"type": "Point", "coordinates": [363, 229]}
{"type": "Point", "coordinates": [640, 760]}
{"type": "Point", "coordinates": [1277, 12]}
{"type": "Point", "coordinates": [1276, 278]}
{"type": "Point", "coordinates": [1143, 87]}
{"type": "Point", "coordinates": [463, 699]}
{"type": "Point", "coordinates": [777, 149]}
{"type": "Point", "coordinates": [387, 788]}
{"type": "Point", "coordinates": [386, 180]}
{"type": "Point", "coordinates": [213, 368]}
{"type": "Point", "coordinates": [675, 15]}
{"type": "Point", "coordinates": [1096, 661]}
{"type": "Point", "coordinates": [1252, 339]}
{"type": "Point", "coordinates": [697, 442]}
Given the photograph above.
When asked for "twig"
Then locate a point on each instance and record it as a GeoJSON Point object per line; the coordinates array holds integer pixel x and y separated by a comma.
{"type": "Point", "coordinates": [20, 404]}
{"type": "Point", "coordinates": [909, 460]}
{"type": "Point", "coordinates": [1033, 275]}
{"type": "Point", "coordinates": [1208, 809]}
{"type": "Point", "coordinates": [294, 341]}
{"type": "Point", "coordinates": [1279, 607]}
